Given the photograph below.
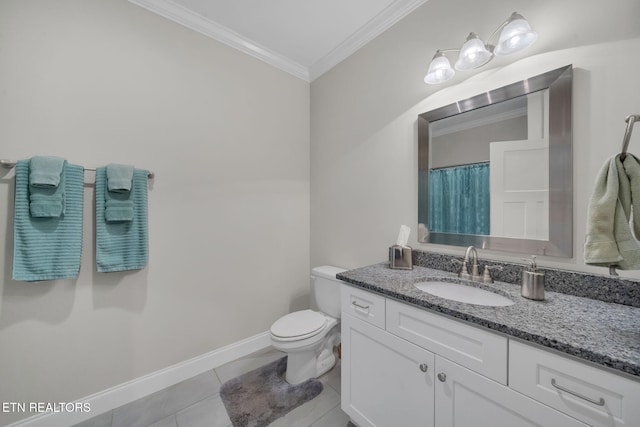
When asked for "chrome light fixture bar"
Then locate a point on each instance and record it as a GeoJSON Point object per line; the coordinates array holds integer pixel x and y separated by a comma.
{"type": "Point", "coordinates": [515, 35]}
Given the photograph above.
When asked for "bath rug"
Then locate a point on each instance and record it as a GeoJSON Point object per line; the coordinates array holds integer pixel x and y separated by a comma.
{"type": "Point", "coordinates": [259, 397]}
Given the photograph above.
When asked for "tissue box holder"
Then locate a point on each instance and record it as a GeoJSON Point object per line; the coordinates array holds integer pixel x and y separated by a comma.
{"type": "Point", "coordinates": [400, 257]}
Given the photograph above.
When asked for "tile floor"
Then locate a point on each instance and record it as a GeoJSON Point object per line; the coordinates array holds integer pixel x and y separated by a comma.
{"type": "Point", "coordinates": [196, 402]}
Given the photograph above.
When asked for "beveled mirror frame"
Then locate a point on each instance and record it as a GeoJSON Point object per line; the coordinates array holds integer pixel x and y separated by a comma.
{"type": "Point", "coordinates": [560, 243]}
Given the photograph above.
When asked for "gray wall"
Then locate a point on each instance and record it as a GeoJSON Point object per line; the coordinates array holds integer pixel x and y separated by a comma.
{"type": "Point", "coordinates": [472, 145]}
{"type": "Point", "coordinates": [100, 81]}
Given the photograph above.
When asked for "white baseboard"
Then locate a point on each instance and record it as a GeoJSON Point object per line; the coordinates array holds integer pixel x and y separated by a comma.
{"type": "Point", "coordinates": [122, 394]}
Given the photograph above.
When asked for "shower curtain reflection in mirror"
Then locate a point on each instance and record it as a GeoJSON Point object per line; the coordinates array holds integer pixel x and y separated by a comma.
{"type": "Point", "coordinates": [459, 199]}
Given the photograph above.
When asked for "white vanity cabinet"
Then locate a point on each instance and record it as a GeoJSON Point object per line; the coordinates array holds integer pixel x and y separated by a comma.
{"type": "Point", "coordinates": [590, 394]}
{"type": "Point", "coordinates": [419, 368]}
{"type": "Point", "coordinates": [464, 398]}
{"type": "Point", "coordinates": [386, 381]}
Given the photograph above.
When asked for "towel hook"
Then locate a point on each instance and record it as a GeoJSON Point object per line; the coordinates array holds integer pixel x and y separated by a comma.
{"type": "Point", "coordinates": [627, 134]}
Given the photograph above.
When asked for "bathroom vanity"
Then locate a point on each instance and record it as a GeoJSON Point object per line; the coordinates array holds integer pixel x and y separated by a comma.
{"type": "Point", "coordinates": [414, 359]}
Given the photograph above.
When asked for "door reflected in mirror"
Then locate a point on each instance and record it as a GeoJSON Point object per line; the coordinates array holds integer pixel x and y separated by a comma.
{"type": "Point", "coordinates": [494, 170]}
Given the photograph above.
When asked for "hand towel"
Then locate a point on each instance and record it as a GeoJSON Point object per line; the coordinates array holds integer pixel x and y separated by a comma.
{"type": "Point", "coordinates": [47, 248]}
{"type": "Point", "coordinates": [122, 245]}
{"type": "Point", "coordinates": [118, 210]}
{"type": "Point", "coordinates": [632, 169]}
{"type": "Point", "coordinates": [46, 206]}
{"type": "Point", "coordinates": [119, 177]}
{"type": "Point", "coordinates": [610, 239]}
{"type": "Point", "coordinates": [46, 186]}
{"type": "Point", "coordinates": [45, 171]}
{"type": "Point", "coordinates": [118, 205]}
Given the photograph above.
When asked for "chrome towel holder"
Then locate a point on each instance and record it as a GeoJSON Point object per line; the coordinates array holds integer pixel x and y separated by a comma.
{"type": "Point", "coordinates": [631, 119]}
{"type": "Point", "coordinates": [627, 134]}
{"type": "Point", "coordinates": [10, 164]}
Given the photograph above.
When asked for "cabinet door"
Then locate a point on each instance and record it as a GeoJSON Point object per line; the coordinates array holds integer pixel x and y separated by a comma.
{"type": "Point", "coordinates": [467, 399]}
{"type": "Point", "coordinates": [386, 381]}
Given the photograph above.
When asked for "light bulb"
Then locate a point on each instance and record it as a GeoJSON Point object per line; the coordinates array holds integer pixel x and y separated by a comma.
{"type": "Point", "coordinates": [515, 36]}
{"type": "Point", "coordinates": [439, 70]}
{"type": "Point", "coordinates": [473, 54]}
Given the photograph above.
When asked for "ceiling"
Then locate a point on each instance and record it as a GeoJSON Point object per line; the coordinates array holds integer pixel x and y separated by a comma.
{"type": "Point", "coordinates": [302, 37]}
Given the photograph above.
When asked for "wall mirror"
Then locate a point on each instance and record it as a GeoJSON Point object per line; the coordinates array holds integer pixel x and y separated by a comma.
{"type": "Point", "coordinates": [495, 170]}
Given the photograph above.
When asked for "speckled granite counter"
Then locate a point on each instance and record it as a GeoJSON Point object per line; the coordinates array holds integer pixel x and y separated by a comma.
{"type": "Point", "coordinates": [604, 333]}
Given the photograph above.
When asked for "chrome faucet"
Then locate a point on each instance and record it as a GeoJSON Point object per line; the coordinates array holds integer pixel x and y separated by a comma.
{"type": "Point", "coordinates": [464, 270]}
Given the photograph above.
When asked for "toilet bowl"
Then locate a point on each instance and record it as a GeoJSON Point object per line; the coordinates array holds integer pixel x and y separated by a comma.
{"type": "Point", "coordinates": [308, 336]}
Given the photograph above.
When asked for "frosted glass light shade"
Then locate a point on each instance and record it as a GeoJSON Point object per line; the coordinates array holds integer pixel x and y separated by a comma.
{"type": "Point", "coordinates": [439, 70]}
{"type": "Point", "coordinates": [473, 54]}
{"type": "Point", "coordinates": [515, 36]}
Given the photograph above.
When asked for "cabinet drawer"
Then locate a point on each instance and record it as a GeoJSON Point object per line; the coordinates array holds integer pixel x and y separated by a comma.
{"type": "Point", "coordinates": [590, 394]}
{"type": "Point", "coordinates": [481, 351]}
{"type": "Point", "coordinates": [363, 305]}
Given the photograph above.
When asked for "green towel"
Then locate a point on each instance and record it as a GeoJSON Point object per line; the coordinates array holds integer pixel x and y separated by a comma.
{"type": "Point", "coordinates": [118, 205]}
{"type": "Point", "coordinates": [47, 248]}
{"type": "Point", "coordinates": [45, 205]}
{"type": "Point", "coordinates": [118, 210]}
{"type": "Point", "coordinates": [611, 231]}
{"type": "Point", "coordinates": [45, 171]}
{"type": "Point", "coordinates": [119, 178]}
{"type": "Point", "coordinates": [46, 186]}
{"type": "Point", "coordinates": [122, 245]}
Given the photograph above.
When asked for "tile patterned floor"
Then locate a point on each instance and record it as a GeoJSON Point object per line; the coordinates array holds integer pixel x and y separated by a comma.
{"type": "Point", "coordinates": [196, 402]}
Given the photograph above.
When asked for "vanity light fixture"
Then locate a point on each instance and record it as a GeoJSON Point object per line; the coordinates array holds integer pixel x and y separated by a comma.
{"type": "Point", "coordinates": [515, 35]}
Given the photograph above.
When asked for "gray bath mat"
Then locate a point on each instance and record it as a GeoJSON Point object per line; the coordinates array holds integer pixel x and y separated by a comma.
{"type": "Point", "coordinates": [261, 396]}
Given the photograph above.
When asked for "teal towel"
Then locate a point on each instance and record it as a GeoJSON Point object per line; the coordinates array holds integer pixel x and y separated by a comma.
{"type": "Point", "coordinates": [118, 210]}
{"type": "Point", "coordinates": [119, 177]}
{"type": "Point", "coordinates": [46, 206]}
{"type": "Point", "coordinates": [45, 171]}
{"type": "Point", "coordinates": [46, 186]}
{"type": "Point", "coordinates": [47, 248]}
{"type": "Point", "coordinates": [118, 205]}
{"type": "Point", "coordinates": [122, 245]}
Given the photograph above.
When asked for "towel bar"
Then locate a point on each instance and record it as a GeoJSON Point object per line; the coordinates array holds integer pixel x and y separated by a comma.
{"type": "Point", "coordinates": [627, 134]}
{"type": "Point", "coordinates": [9, 164]}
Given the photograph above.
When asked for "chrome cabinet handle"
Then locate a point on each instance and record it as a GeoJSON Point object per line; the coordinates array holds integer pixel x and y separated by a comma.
{"type": "Point", "coordinates": [442, 377]}
{"type": "Point", "coordinates": [361, 307]}
{"type": "Point", "coordinates": [588, 399]}
{"type": "Point", "coordinates": [424, 367]}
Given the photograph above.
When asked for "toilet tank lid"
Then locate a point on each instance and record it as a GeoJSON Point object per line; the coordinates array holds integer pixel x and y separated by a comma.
{"type": "Point", "coordinates": [326, 271]}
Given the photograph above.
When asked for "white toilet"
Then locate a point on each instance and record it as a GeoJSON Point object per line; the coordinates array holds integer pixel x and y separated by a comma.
{"type": "Point", "coordinates": [308, 336]}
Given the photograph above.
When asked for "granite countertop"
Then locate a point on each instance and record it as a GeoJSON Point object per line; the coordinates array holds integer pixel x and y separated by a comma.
{"type": "Point", "coordinates": [604, 333]}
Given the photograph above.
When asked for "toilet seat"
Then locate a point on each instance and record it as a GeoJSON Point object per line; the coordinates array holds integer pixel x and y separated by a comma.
{"type": "Point", "coordinates": [298, 325]}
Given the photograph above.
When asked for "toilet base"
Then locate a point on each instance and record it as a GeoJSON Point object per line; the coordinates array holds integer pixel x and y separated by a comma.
{"type": "Point", "coordinates": [311, 363]}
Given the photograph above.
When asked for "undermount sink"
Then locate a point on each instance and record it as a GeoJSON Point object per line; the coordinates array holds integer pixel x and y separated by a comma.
{"type": "Point", "coordinates": [463, 293]}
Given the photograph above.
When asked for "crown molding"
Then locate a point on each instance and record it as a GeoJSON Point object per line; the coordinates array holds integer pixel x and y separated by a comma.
{"type": "Point", "coordinates": [209, 28]}
{"type": "Point", "coordinates": [381, 22]}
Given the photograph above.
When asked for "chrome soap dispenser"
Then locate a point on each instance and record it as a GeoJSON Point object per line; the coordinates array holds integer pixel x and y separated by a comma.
{"type": "Point", "coordinates": [532, 282]}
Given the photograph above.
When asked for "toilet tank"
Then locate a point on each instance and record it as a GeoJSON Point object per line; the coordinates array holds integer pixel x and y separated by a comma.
{"type": "Point", "coordinates": [326, 289]}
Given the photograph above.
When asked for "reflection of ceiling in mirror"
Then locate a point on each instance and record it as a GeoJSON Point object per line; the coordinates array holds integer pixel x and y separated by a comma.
{"type": "Point", "coordinates": [494, 113]}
